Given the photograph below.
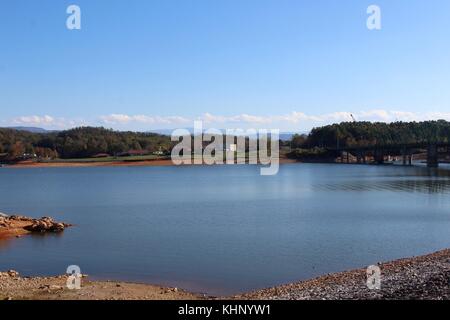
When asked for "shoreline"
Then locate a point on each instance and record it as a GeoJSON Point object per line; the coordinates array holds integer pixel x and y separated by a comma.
{"type": "Point", "coordinates": [138, 163]}
{"type": "Point", "coordinates": [149, 163]}
{"type": "Point", "coordinates": [418, 278]}
{"type": "Point", "coordinates": [15, 287]}
{"type": "Point", "coordinates": [425, 277]}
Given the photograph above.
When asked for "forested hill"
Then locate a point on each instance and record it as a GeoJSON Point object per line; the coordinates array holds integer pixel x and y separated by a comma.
{"type": "Point", "coordinates": [88, 142]}
{"type": "Point", "coordinates": [350, 134]}
{"type": "Point", "coordinates": [78, 143]}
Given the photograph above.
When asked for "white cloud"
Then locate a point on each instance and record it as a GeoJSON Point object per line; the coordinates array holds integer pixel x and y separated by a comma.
{"type": "Point", "coordinates": [376, 115]}
{"type": "Point", "coordinates": [407, 116]}
{"type": "Point", "coordinates": [47, 122]}
{"type": "Point", "coordinates": [294, 117]}
{"type": "Point", "coordinates": [301, 121]}
{"type": "Point", "coordinates": [438, 116]}
{"type": "Point", "coordinates": [34, 120]}
{"type": "Point", "coordinates": [122, 119]}
{"type": "Point", "coordinates": [294, 121]}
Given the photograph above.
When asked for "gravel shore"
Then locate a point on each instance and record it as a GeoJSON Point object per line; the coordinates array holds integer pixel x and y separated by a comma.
{"type": "Point", "coordinates": [419, 278]}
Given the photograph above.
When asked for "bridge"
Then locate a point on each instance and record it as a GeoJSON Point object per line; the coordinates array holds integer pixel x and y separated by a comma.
{"type": "Point", "coordinates": [406, 151]}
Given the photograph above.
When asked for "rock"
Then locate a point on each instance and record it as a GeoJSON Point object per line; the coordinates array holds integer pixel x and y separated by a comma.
{"type": "Point", "coordinates": [46, 224]}
{"type": "Point", "coordinates": [4, 222]}
{"type": "Point", "coordinates": [10, 274]}
{"type": "Point", "coordinates": [55, 287]}
{"type": "Point", "coordinates": [3, 215]}
{"type": "Point", "coordinates": [17, 224]}
{"type": "Point", "coordinates": [19, 218]}
{"type": "Point", "coordinates": [59, 226]}
{"type": "Point", "coordinates": [13, 274]}
{"type": "Point", "coordinates": [51, 287]}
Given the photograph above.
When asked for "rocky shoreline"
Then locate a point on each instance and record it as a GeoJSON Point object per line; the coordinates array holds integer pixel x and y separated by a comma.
{"type": "Point", "coordinates": [16, 226]}
{"type": "Point", "coordinates": [419, 278]}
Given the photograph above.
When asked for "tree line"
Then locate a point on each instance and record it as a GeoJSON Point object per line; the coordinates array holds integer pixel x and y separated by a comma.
{"type": "Point", "coordinates": [360, 134]}
{"type": "Point", "coordinates": [87, 142]}
{"type": "Point", "coordinates": [78, 143]}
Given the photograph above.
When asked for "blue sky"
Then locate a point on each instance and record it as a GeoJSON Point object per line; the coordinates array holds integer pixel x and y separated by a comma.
{"type": "Point", "coordinates": [287, 64]}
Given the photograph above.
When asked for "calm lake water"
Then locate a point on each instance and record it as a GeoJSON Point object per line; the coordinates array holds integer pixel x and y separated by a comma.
{"type": "Point", "coordinates": [225, 229]}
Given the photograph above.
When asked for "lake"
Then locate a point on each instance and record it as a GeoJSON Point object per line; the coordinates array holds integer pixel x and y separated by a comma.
{"type": "Point", "coordinates": [224, 229]}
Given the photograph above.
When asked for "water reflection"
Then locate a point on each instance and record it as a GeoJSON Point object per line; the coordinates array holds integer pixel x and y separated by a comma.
{"type": "Point", "coordinates": [395, 179]}
{"type": "Point", "coordinates": [422, 186]}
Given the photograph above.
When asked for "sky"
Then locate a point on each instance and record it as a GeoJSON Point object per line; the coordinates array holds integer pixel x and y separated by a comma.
{"type": "Point", "coordinates": [276, 64]}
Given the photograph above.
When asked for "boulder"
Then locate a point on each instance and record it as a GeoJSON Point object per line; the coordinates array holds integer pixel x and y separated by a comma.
{"type": "Point", "coordinates": [13, 273]}
{"type": "Point", "coordinates": [46, 224]}
{"type": "Point", "coordinates": [52, 287]}
{"type": "Point", "coordinates": [10, 273]}
{"type": "Point", "coordinates": [19, 218]}
{"type": "Point", "coordinates": [4, 222]}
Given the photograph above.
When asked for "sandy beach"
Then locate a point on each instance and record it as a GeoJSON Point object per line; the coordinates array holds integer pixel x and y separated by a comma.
{"type": "Point", "coordinates": [15, 287]}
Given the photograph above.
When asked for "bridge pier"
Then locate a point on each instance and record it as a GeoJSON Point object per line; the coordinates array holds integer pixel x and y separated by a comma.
{"type": "Point", "coordinates": [403, 152]}
{"type": "Point", "coordinates": [432, 156]}
{"type": "Point", "coordinates": [358, 157]}
{"type": "Point", "coordinates": [379, 156]}
{"type": "Point", "coordinates": [407, 157]}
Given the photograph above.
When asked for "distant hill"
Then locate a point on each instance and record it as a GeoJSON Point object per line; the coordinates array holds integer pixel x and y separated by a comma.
{"type": "Point", "coordinates": [284, 136]}
{"type": "Point", "coordinates": [167, 132]}
{"type": "Point", "coordinates": [29, 129]}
